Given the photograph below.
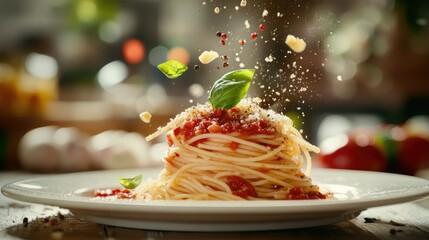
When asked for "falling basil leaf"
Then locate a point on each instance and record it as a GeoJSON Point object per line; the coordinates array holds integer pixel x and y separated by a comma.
{"type": "Point", "coordinates": [131, 183]}
{"type": "Point", "coordinates": [172, 68]}
{"type": "Point", "coordinates": [231, 88]}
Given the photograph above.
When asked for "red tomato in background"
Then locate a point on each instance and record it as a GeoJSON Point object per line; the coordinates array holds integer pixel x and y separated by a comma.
{"type": "Point", "coordinates": [353, 156]}
{"type": "Point", "coordinates": [412, 155]}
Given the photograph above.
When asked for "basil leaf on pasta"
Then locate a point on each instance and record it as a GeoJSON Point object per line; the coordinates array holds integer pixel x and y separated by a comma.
{"type": "Point", "coordinates": [231, 88]}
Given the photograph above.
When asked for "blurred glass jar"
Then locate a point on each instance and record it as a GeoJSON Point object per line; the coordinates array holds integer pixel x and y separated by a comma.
{"type": "Point", "coordinates": [28, 88]}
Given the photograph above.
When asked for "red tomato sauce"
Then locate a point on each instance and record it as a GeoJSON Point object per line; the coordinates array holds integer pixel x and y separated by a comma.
{"type": "Point", "coordinates": [115, 193]}
{"type": "Point", "coordinates": [297, 193]}
{"type": "Point", "coordinates": [222, 121]}
{"type": "Point", "coordinates": [240, 187]}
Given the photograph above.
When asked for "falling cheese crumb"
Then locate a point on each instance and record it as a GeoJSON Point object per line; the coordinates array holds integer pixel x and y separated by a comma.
{"type": "Point", "coordinates": [264, 13]}
{"type": "Point", "coordinates": [247, 24]}
{"type": "Point", "coordinates": [216, 10]}
{"type": "Point", "coordinates": [243, 3]}
{"type": "Point", "coordinates": [296, 44]}
{"type": "Point", "coordinates": [145, 117]}
{"type": "Point", "coordinates": [208, 56]}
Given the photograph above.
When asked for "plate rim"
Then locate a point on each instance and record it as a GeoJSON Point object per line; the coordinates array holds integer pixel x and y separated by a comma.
{"type": "Point", "coordinates": [218, 207]}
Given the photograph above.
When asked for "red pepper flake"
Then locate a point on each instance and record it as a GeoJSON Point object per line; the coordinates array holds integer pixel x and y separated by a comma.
{"type": "Point", "coordinates": [240, 187]}
{"type": "Point", "coordinates": [224, 36]}
{"type": "Point", "coordinates": [218, 33]}
{"type": "Point", "coordinates": [222, 42]}
{"type": "Point", "coordinates": [262, 27]}
{"type": "Point", "coordinates": [225, 64]}
{"type": "Point", "coordinates": [241, 42]}
{"type": "Point", "coordinates": [254, 35]}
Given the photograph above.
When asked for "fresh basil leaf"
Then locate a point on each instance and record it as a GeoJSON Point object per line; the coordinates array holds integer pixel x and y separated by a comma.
{"type": "Point", "coordinates": [172, 68]}
{"type": "Point", "coordinates": [131, 183]}
{"type": "Point", "coordinates": [231, 88]}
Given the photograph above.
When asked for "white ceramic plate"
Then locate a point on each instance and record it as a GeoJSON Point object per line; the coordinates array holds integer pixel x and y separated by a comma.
{"type": "Point", "coordinates": [355, 191]}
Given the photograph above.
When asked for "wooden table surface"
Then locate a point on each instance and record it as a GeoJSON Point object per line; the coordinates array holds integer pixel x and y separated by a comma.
{"type": "Point", "coordinates": [19, 220]}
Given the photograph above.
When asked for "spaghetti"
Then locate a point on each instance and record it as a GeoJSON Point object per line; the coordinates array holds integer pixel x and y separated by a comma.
{"type": "Point", "coordinates": [245, 152]}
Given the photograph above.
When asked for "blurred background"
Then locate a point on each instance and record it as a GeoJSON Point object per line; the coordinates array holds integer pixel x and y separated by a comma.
{"type": "Point", "coordinates": [74, 76]}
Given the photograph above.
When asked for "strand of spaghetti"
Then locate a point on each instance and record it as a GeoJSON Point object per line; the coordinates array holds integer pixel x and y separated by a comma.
{"type": "Point", "coordinates": [308, 162]}
{"type": "Point", "coordinates": [215, 194]}
{"type": "Point", "coordinates": [176, 142]}
{"type": "Point", "coordinates": [254, 165]}
{"type": "Point", "coordinates": [226, 147]}
{"type": "Point", "coordinates": [243, 153]}
{"type": "Point", "coordinates": [244, 170]}
{"type": "Point", "coordinates": [259, 136]}
{"type": "Point", "coordinates": [196, 183]}
{"type": "Point", "coordinates": [281, 174]}
{"type": "Point", "coordinates": [208, 168]}
{"type": "Point", "coordinates": [225, 174]}
{"type": "Point", "coordinates": [228, 137]}
{"type": "Point", "coordinates": [178, 172]}
{"type": "Point", "coordinates": [269, 142]}
{"type": "Point", "coordinates": [218, 183]}
{"type": "Point", "coordinates": [265, 165]}
{"type": "Point", "coordinates": [260, 182]}
{"type": "Point", "coordinates": [287, 158]}
{"type": "Point", "coordinates": [197, 159]}
{"type": "Point", "coordinates": [301, 141]}
{"type": "Point", "coordinates": [192, 187]}
{"type": "Point", "coordinates": [219, 156]}
{"type": "Point", "coordinates": [264, 176]}
{"type": "Point", "coordinates": [172, 124]}
{"type": "Point", "coordinates": [250, 148]}
{"type": "Point", "coordinates": [241, 149]}
{"type": "Point", "coordinates": [165, 192]}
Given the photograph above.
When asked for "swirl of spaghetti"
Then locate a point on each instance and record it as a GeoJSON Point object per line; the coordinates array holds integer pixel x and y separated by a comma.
{"type": "Point", "coordinates": [245, 153]}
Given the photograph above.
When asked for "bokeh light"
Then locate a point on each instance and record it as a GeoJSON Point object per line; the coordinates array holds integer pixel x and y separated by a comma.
{"type": "Point", "coordinates": [86, 11]}
{"type": "Point", "coordinates": [41, 66]}
{"type": "Point", "coordinates": [112, 74]}
{"type": "Point", "coordinates": [158, 55]}
{"type": "Point", "coordinates": [196, 90]}
{"type": "Point", "coordinates": [133, 51]}
{"type": "Point", "coordinates": [110, 32]}
{"type": "Point", "coordinates": [179, 54]}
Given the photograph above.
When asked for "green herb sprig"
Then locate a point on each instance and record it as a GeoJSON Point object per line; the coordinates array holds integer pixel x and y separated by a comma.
{"type": "Point", "coordinates": [172, 68]}
{"type": "Point", "coordinates": [231, 88]}
{"type": "Point", "coordinates": [131, 183]}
